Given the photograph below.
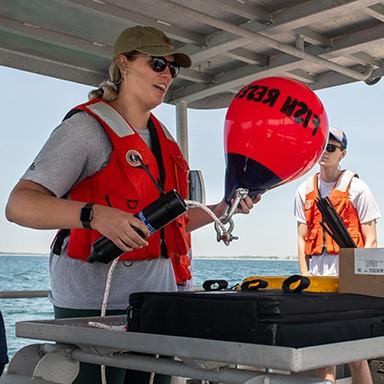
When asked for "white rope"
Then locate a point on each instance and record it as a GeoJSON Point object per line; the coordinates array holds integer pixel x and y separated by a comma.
{"type": "Point", "coordinates": [197, 204]}
{"type": "Point", "coordinates": [103, 374]}
{"type": "Point", "coordinates": [118, 328]}
{"type": "Point", "coordinates": [104, 307]}
{"type": "Point", "coordinates": [152, 375]}
{"type": "Point", "coordinates": [108, 286]}
{"type": "Point", "coordinates": [104, 310]}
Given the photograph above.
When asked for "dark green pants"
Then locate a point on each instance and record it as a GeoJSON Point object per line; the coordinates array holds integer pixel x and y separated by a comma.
{"type": "Point", "coordinates": [90, 373]}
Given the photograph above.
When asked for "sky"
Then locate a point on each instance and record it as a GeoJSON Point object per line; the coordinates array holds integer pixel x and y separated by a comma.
{"type": "Point", "coordinates": [33, 105]}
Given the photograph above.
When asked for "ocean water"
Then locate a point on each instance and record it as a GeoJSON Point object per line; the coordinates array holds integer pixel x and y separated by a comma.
{"type": "Point", "coordinates": [31, 273]}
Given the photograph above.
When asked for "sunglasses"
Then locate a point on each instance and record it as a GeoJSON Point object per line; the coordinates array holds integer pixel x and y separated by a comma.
{"type": "Point", "coordinates": [160, 64]}
{"type": "Point", "coordinates": [332, 148]}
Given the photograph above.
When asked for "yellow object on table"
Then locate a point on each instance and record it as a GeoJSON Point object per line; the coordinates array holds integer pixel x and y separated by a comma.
{"type": "Point", "coordinates": [316, 283]}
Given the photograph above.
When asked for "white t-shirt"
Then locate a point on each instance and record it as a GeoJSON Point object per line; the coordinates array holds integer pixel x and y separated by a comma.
{"type": "Point", "coordinates": [363, 201]}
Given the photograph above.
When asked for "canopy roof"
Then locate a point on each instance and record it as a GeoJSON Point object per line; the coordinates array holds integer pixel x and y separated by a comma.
{"type": "Point", "coordinates": [232, 42]}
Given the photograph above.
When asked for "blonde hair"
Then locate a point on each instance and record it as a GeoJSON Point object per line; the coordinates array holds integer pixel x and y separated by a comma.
{"type": "Point", "coordinates": [109, 89]}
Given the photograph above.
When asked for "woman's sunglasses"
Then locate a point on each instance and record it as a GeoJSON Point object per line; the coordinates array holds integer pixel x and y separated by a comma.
{"type": "Point", "coordinates": [332, 148]}
{"type": "Point", "coordinates": [159, 64]}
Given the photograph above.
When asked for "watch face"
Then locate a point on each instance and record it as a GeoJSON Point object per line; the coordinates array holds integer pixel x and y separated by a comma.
{"type": "Point", "coordinates": [86, 215]}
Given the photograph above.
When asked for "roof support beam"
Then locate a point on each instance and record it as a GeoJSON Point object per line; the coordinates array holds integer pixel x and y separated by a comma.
{"type": "Point", "coordinates": [364, 59]}
{"type": "Point", "coordinates": [312, 11]}
{"type": "Point", "coordinates": [51, 68]}
{"type": "Point", "coordinates": [66, 41]}
{"type": "Point", "coordinates": [313, 37]}
{"type": "Point", "coordinates": [303, 76]}
{"type": "Point", "coordinates": [195, 76]}
{"type": "Point", "coordinates": [251, 12]}
{"type": "Point", "coordinates": [281, 23]}
{"type": "Point", "coordinates": [125, 15]}
{"type": "Point", "coordinates": [266, 40]}
{"type": "Point", "coordinates": [75, 44]}
{"type": "Point", "coordinates": [279, 64]}
{"type": "Point", "coordinates": [331, 79]}
{"type": "Point", "coordinates": [246, 56]}
{"type": "Point", "coordinates": [376, 11]}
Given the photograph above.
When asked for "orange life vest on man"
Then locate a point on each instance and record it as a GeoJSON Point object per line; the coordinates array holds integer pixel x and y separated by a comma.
{"type": "Point", "coordinates": [130, 188]}
{"type": "Point", "coordinates": [316, 239]}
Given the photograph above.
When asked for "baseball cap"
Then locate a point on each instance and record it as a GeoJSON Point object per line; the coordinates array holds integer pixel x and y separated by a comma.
{"type": "Point", "coordinates": [150, 41]}
{"type": "Point", "coordinates": [338, 135]}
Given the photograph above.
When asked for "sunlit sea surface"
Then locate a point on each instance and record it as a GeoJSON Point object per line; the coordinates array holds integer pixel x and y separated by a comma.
{"type": "Point", "coordinates": [31, 273]}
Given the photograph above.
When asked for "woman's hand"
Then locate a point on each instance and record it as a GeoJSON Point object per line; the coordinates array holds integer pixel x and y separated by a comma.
{"type": "Point", "coordinates": [247, 204]}
{"type": "Point", "coordinates": [120, 227]}
{"type": "Point", "coordinates": [244, 206]}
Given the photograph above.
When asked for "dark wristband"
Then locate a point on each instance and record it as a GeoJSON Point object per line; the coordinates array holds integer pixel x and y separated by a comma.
{"type": "Point", "coordinates": [86, 215]}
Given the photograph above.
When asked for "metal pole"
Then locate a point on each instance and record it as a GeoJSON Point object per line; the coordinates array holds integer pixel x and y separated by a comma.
{"type": "Point", "coordinates": [22, 294]}
{"type": "Point", "coordinates": [172, 367]}
{"type": "Point", "coordinates": [182, 127]}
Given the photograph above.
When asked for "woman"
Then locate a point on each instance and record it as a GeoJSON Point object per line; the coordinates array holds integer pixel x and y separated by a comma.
{"type": "Point", "coordinates": [89, 180]}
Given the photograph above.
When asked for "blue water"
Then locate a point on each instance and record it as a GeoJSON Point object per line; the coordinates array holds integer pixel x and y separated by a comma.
{"type": "Point", "coordinates": [31, 273]}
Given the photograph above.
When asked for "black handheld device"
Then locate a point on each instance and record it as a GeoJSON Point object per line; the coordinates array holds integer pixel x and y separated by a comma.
{"type": "Point", "coordinates": [155, 216]}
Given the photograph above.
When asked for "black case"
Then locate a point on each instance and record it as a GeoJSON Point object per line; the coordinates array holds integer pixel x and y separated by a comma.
{"type": "Point", "coordinates": [268, 317]}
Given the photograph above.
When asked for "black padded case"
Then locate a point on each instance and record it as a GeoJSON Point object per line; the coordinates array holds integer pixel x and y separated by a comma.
{"type": "Point", "coordinates": [261, 317]}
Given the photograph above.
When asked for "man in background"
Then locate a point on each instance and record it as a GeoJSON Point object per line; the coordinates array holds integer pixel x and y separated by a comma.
{"type": "Point", "coordinates": [354, 202]}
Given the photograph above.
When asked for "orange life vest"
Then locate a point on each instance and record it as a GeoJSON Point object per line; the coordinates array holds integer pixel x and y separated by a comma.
{"type": "Point", "coordinates": [130, 189]}
{"type": "Point", "coordinates": [316, 239]}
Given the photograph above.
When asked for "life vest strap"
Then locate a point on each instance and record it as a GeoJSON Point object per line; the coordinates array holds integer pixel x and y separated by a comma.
{"type": "Point", "coordinates": [58, 241]}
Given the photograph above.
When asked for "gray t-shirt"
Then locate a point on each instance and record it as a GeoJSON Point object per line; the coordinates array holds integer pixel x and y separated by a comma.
{"type": "Point", "coordinates": [76, 149]}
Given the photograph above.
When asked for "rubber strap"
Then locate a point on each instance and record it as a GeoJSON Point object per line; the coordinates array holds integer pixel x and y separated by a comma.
{"type": "Point", "coordinates": [215, 285]}
{"type": "Point", "coordinates": [290, 284]}
{"type": "Point", "coordinates": [254, 285]}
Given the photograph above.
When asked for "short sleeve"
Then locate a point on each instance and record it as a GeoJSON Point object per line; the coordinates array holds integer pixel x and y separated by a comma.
{"type": "Point", "coordinates": [364, 201]}
{"type": "Point", "coordinates": [298, 208]}
{"type": "Point", "coordinates": [76, 149]}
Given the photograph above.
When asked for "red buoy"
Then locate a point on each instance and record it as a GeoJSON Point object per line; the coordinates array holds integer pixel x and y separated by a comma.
{"type": "Point", "coordinates": [275, 131]}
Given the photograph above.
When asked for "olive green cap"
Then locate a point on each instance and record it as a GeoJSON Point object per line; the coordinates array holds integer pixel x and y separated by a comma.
{"type": "Point", "coordinates": [150, 41]}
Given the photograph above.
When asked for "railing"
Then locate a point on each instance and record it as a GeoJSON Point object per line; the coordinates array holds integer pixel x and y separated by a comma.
{"type": "Point", "coordinates": [23, 294]}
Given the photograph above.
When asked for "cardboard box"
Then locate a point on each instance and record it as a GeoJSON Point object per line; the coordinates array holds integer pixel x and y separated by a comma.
{"type": "Point", "coordinates": [361, 270]}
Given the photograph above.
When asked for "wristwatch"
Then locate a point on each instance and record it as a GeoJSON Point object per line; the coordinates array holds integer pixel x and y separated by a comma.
{"type": "Point", "coordinates": [86, 215]}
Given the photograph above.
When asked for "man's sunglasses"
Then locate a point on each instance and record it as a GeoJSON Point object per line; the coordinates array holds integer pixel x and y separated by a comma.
{"type": "Point", "coordinates": [159, 64]}
{"type": "Point", "coordinates": [332, 148]}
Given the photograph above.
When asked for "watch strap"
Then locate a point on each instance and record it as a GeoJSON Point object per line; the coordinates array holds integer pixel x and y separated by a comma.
{"type": "Point", "coordinates": [86, 215]}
